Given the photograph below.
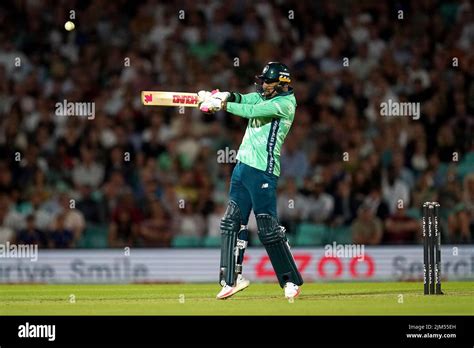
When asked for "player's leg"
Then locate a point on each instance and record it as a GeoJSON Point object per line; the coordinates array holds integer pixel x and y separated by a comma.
{"type": "Point", "coordinates": [262, 187]}
{"type": "Point", "coordinates": [272, 235]}
{"type": "Point", "coordinates": [239, 193]}
{"type": "Point", "coordinates": [242, 242]}
{"type": "Point", "coordinates": [237, 212]}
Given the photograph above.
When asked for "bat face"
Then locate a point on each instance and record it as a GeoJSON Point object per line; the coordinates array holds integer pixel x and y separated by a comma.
{"type": "Point", "coordinates": [160, 98]}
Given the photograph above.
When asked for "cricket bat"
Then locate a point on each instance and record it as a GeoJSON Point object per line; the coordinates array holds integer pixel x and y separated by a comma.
{"type": "Point", "coordinates": [161, 98]}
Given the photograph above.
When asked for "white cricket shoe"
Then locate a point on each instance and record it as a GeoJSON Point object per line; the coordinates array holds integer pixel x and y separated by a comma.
{"type": "Point", "coordinates": [241, 283]}
{"type": "Point", "coordinates": [291, 290]}
{"type": "Point", "coordinates": [227, 290]}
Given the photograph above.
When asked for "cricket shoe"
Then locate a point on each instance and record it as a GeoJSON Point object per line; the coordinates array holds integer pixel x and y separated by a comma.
{"type": "Point", "coordinates": [291, 290]}
{"type": "Point", "coordinates": [241, 283]}
{"type": "Point", "coordinates": [227, 290]}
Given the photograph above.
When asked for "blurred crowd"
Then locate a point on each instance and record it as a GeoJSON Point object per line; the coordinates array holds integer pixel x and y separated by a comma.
{"type": "Point", "coordinates": [149, 174]}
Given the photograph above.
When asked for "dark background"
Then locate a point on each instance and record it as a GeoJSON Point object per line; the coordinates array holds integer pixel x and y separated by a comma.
{"type": "Point", "coordinates": [119, 48]}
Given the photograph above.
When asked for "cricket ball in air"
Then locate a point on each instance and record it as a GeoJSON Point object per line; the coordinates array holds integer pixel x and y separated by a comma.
{"type": "Point", "coordinates": [69, 26]}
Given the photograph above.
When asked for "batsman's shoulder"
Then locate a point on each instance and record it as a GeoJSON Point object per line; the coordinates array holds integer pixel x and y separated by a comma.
{"type": "Point", "coordinates": [285, 98]}
{"type": "Point", "coordinates": [287, 104]}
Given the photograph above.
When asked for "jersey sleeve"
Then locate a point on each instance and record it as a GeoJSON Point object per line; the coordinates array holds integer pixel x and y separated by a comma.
{"type": "Point", "coordinates": [271, 108]}
{"type": "Point", "coordinates": [249, 98]}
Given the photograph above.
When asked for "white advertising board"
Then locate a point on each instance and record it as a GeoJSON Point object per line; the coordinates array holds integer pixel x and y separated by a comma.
{"type": "Point", "coordinates": [202, 265]}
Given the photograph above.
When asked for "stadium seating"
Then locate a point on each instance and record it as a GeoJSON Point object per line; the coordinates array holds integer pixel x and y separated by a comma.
{"type": "Point", "coordinates": [182, 155]}
{"type": "Point", "coordinates": [254, 240]}
{"type": "Point", "coordinates": [291, 239]}
{"type": "Point", "coordinates": [211, 241]}
{"type": "Point", "coordinates": [308, 234]}
{"type": "Point", "coordinates": [466, 166]}
{"type": "Point", "coordinates": [95, 236]}
{"type": "Point", "coordinates": [340, 235]}
{"type": "Point", "coordinates": [186, 242]}
{"type": "Point", "coordinates": [414, 213]}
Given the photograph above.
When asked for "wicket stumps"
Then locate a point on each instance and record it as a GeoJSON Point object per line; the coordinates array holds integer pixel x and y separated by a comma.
{"type": "Point", "coordinates": [431, 249]}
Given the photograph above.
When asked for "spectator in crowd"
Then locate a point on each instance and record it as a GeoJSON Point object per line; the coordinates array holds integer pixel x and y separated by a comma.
{"type": "Point", "coordinates": [118, 162]}
{"type": "Point", "coordinates": [460, 219]}
{"type": "Point", "coordinates": [61, 237]}
{"type": "Point", "coordinates": [468, 197]}
{"type": "Point", "coordinates": [114, 188]}
{"type": "Point", "coordinates": [294, 162]}
{"type": "Point", "coordinates": [401, 171]}
{"type": "Point", "coordinates": [126, 220]}
{"type": "Point", "coordinates": [74, 219]}
{"type": "Point", "coordinates": [30, 164]}
{"type": "Point", "coordinates": [39, 187]}
{"type": "Point", "coordinates": [320, 205]}
{"type": "Point", "coordinates": [439, 171]}
{"type": "Point", "coordinates": [169, 200]}
{"type": "Point", "coordinates": [376, 202]}
{"type": "Point", "coordinates": [7, 184]}
{"type": "Point", "coordinates": [187, 188]}
{"type": "Point", "coordinates": [155, 136]}
{"type": "Point", "coordinates": [90, 206]}
{"type": "Point", "coordinates": [61, 163]}
{"type": "Point", "coordinates": [345, 204]}
{"type": "Point", "coordinates": [189, 222]}
{"type": "Point", "coordinates": [367, 228]}
{"type": "Point", "coordinates": [205, 204]}
{"type": "Point", "coordinates": [401, 229]}
{"type": "Point", "coordinates": [459, 225]}
{"type": "Point", "coordinates": [10, 221]}
{"type": "Point", "coordinates": [88, 171]}
{"type": "Point", "coordinates": [43, 218]}
{"type": "Point", "coordinates": [156, 230]}
{"type": "Point", "coordinates": [424, 190]}
{"type": "Point", "coordinates": [31, 234]}
{"type": "Point", "coordinates": [123, 230]}
{"type": "Point", "coordinates": [395, 191]}
{"type": "Point", "coordinates": [213, 226]}
{"type": "Point", "coordinates": [290, 205]}
{"type": "Point", "coordinates": [362, 64]}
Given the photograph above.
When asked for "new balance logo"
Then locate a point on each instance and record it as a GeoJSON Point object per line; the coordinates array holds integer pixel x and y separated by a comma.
{"type": "Point", "coordinates": [265, 185]}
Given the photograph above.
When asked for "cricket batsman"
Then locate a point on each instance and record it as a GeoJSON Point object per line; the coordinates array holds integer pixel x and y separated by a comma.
{"type": "Point", "coordinates": [270, 111]}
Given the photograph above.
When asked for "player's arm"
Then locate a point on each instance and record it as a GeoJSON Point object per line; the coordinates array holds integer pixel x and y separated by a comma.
{"type": "Point", "coordinates": [234, 97]}
{"type": "Point", "coordinates": [244, 105]}
{"type": "Point", "coordinates": [265, 109]}
{"type": "Point", "coordinates": [249, 98]}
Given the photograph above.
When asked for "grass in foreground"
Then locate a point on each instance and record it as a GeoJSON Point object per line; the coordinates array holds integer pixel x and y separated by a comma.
{"type": "Point", "coordinates": [394, 298]}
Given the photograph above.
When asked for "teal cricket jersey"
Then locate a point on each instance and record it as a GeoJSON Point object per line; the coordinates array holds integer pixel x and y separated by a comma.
{"type": "Point", "coordinates": [269, 123]}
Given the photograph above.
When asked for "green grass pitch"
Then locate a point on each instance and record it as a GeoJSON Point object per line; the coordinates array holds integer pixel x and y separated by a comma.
{"type": "Point", "coordinates": [394, 298]}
